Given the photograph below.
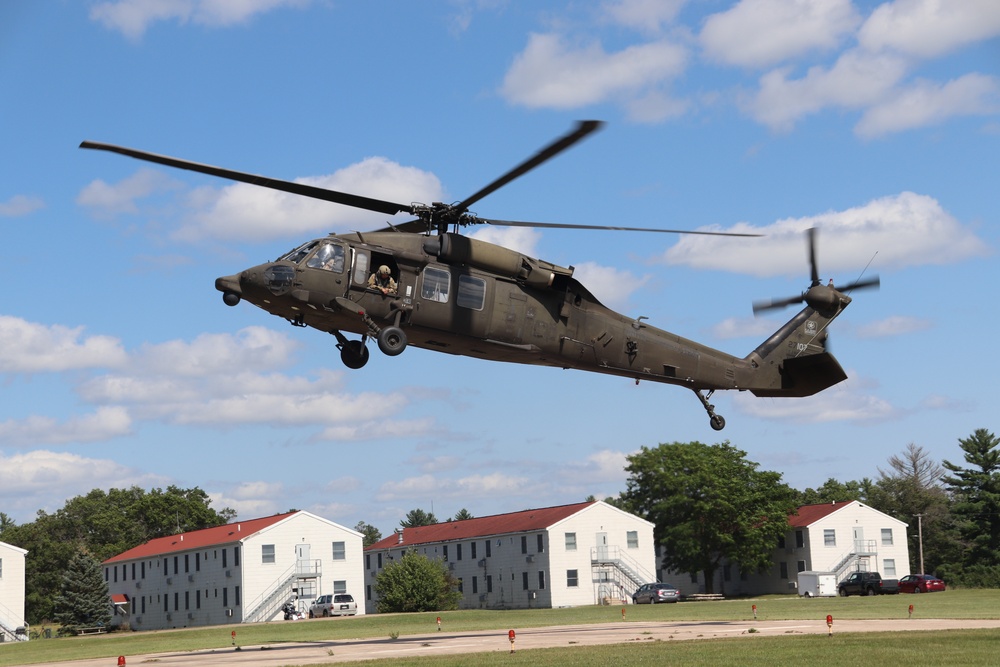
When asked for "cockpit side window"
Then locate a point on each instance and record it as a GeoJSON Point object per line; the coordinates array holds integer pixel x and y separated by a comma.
{"type": "Point", "coordinates": [299, 253]}
{"type": "Point", "coordinates": [329, 257]}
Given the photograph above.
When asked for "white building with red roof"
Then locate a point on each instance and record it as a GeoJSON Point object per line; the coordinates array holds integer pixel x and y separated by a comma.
{"type": "Point", "coordinates": [12, 625]}
{"type": "Point", "coordinates": [830, 538]}
{"type": "Point", "coordinates": [241, 572]}
{"type": "Point", "coordinates": [565, 556]}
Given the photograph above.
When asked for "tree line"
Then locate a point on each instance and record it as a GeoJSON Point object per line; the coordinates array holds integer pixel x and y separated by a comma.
{"type": "Point", "coordinates": [708, 503]}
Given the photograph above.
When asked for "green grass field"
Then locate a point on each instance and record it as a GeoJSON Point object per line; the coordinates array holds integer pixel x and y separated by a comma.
{"type": "Point", "coordinates": [972, 647]}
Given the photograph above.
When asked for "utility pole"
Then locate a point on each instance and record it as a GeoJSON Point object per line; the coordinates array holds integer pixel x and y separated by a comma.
{"type": "Point", "coordinates": [920, 540]}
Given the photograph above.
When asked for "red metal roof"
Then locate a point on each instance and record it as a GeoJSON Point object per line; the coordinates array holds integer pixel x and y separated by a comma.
{"type": "Point", "coordinates": [200, 539]}
{"type": "Point", "coordinates": [810, 514]}
{"type": "Point", "coordinates": [119, 598]}
{"type": "Point", "coordinates": [499, 524]}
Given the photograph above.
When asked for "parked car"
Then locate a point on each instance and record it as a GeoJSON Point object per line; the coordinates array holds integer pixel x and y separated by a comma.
{"type": "Point", "coordinates": [867, 583]}
{"type": "Point", "coordinates": [920, 583]}
{"type": "Point", "coordinates": [341, 604]}
{"type": "Point", "coordinates": [653, 593]}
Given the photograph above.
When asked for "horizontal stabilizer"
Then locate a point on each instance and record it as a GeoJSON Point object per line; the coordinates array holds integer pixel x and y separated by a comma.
{"type": "Point", "coordinates": [805, 376]}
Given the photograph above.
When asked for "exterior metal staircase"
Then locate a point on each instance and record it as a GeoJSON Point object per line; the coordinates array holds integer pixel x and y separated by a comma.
{"type": "Point", "coordinates": [267, 606]}
{"type": "Point", "coordinates": [626, 574]}
{"type": "Point", "coordinates": [853, 560]}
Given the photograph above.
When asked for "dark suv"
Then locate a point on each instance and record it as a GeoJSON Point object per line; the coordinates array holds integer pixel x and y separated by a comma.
{"type": "Point", "coordinates": [653, 593]}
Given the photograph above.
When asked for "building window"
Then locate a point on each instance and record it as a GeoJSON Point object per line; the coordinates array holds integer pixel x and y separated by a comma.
{"type": "Point", "coordinates": [237, 600]}
{"type": "Point", "coordinates": [187, 564]}
{"type": "Point", "coordinates": [829, 537]}
{"type": "Point", "coordinates": [339, 551]}
{"type": "Point", "coordinates": [570, 541]}
{"type": "Point", "coordinates": [783, 570]}
{"type": "Point", "coordinates": [197, 600]}
{"type": "Point", "coordinates": [339, 587]}
{"type": "Point", "coordinates": [524, 581]}
{"type": "Point", "coordinates": [380, 560]}
{"type": "Point", "coordinates": [461, 585]}
{"type": "Point", "coordinates": [225, 596]}
{"type": "Point", "coordinates": [444, 552]}
{"type": "Point", "coordinates": [489, 549]}
{"type": "Point", "coordinates": [801, 566]}
{"type": "Point", "coordinates": [524, 544]}
{"type": "Point", "coordinates": [489, 583]}
{"type": "Point", "coordinates": [368, 592]}
{"type": "Point", "coordinates": [224, 565]}
{"type": "Point", "coordinates": [889, 567]}
{"type": "Point", "coordinates": [458, 551]}
{"type": "Point", "coordinates": [572, 578]}
{"type": "Point", "coordinates": [475, 583]}
{"type": "Point", "coordinates": [176, 560]}
{"type": "Point", "coordinates": [187, 600]}
{"type": "Point", "coordinates": [236, 558]}
{"type": "Point", "coordinates": [799, 539]}
{"type": "Point", "coordinates": [368, 561]}
{"type": "Point", "coordinates": [632, 539]}
{"type": "Point", "coordinates": [887, 537]}
{"type": "Point", "coordinates": [267, 553]}
{"type": "Point", "coordinates": [472, 547]}
{"type": "Point", "coordinates": [541, 543]}
{"type": "Point", "coordinates": [541, 580]}
{"type": "Point", "coordinates": [781, 542]}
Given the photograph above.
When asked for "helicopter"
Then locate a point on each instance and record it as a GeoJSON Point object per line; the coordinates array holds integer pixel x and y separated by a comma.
{"type": "Point", "coordinates": [423, 283]}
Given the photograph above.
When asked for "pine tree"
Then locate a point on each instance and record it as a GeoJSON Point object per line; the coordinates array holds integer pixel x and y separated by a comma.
{"type": "Point", "coordinates": [84, 601]}
{"type": "Point", "coordinates": [976, 507]}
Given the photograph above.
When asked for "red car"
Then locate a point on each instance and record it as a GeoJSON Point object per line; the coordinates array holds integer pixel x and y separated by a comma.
{"type": "Point", "coordinates": [920, 583]}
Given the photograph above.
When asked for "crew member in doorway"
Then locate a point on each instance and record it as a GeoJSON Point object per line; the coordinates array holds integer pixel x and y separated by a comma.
{"type": "Point", "coordinates": [382, 280]}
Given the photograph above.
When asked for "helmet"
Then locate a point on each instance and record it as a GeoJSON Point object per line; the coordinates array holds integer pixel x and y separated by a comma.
{"type": "Point", "coordinates": [383, 270]}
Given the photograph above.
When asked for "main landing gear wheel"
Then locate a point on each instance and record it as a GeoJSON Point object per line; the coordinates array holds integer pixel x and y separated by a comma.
{"type": "Point", "coordinates": [391, 340]}
{"type": "Point", "coordinates": [354, 354]}
{"type": "Point", "coordinates": [718, 422]}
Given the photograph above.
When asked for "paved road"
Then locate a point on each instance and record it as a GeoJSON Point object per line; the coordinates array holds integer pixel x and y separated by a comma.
{"type": "Point", "coordinates": [439, 643]}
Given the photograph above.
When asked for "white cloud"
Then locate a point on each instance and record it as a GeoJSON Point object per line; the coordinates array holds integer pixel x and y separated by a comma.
{"type": "Point", "coordinates": [612, 287]}
{"type": "Point", "coordinates": [249, 212]}
{"type": "Point", "coordinates": [930, 103]}
{"type": "Point", "coordinates": [735, 327]}
{"type": "Point", "coordinates": [648, 16]}
{"type": "Point", "coordinates": [428, 486]}
{"type": "Point", "coordinates": [904, 230]}
{"type": "Point", "coordinates": [929, 28]}
{"type": "Point", "coordinates": [19, 205]}
{"type": "Point", "coordinates": [133, 17]}
{"type": "Point", "coordinates": [552, 74]}
{"type": "Point", "coordinates": [857, 80]}
{"type": "Point", "coordinates": [28, 347]}
{"type": "Point", "coordinates": [759, 33]}
{"type": "Point", "coordinates": [896, 325]}
{"type": "Point", "coordinates": [43, 479]}
{"type": "Point", "coordinates": [104, 424]}
{"type": "Point", "coordinates": [109, 200]}
{"type": "Point", "coordinates": [847, 401]}
{"type": "Point", "coordinates": [522, 239]}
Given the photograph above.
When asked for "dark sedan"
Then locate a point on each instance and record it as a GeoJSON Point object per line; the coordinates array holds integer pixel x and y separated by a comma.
{"type": "Point", "coordinates": [654, 593]}
{"type": "Point", "coordinates": [920, 583]}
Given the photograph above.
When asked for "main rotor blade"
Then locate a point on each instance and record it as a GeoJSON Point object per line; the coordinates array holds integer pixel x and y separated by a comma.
{"type": "Point", "coordinates": [776, 304]}
{"type": "Point", "coordinates": [583, 128]}
{"type": "Point", "coordinates": [559, 225]}
{"type": "Point", "coordinates": [357, 201]}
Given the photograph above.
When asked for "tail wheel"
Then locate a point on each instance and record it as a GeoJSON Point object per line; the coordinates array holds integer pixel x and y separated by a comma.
{"type": "Point", "coordinates": [392, 341]}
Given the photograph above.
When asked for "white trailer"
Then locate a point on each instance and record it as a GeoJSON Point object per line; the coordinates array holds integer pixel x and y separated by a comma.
{"type": "Point", "coordinates": [817, 584]}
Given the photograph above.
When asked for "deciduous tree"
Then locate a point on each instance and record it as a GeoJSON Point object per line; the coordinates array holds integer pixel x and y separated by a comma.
{"type": "Point", "coordinates": [415, 582]}
{"type": "Point", "coordinates": [708, 503]}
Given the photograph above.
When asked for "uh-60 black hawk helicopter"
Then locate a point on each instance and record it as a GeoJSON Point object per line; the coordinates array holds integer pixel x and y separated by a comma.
{"type": "Point", "coordinates": [465, 296]}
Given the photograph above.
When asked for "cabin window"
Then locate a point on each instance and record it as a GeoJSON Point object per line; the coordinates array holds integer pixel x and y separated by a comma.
{"type": "Point", "coordinates": [435, 284]}
{"type": "Point", "coordinates": [329, 257]}
{"type": "Point", "coordinates": [299, 253]}
{"type": "Point", "coordinates": [361, 268]}
{"type": "Point", "coordinates": [471, 292]}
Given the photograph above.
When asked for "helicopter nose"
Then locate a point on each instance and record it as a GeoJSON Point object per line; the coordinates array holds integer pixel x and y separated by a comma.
{"type": "Point", "coordinates": [230, 288]}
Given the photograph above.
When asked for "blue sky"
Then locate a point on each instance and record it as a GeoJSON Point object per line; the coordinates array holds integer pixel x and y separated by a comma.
{"type": "Point", "coordinates": [878, 122]}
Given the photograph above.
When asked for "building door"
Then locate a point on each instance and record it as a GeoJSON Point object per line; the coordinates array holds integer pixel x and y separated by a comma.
{"type": "Point", "coordinates": [859, 540]}
{"type": "Point", "coordinates": [602, 546]}
{"type": "Point", "coordinates": [303, 564]}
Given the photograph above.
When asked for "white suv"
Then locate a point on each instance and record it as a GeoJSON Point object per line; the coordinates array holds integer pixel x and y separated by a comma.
{"type": "Point", "coordinates": [341, 604]}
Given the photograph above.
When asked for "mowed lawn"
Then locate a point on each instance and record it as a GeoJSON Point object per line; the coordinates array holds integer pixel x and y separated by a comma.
{"type": "Point", "coordinates": [964, 647]}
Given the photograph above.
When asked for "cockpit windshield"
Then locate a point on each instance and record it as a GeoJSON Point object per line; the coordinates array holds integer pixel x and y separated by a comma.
{"type": "Point", "coordinates": [299, 253]}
